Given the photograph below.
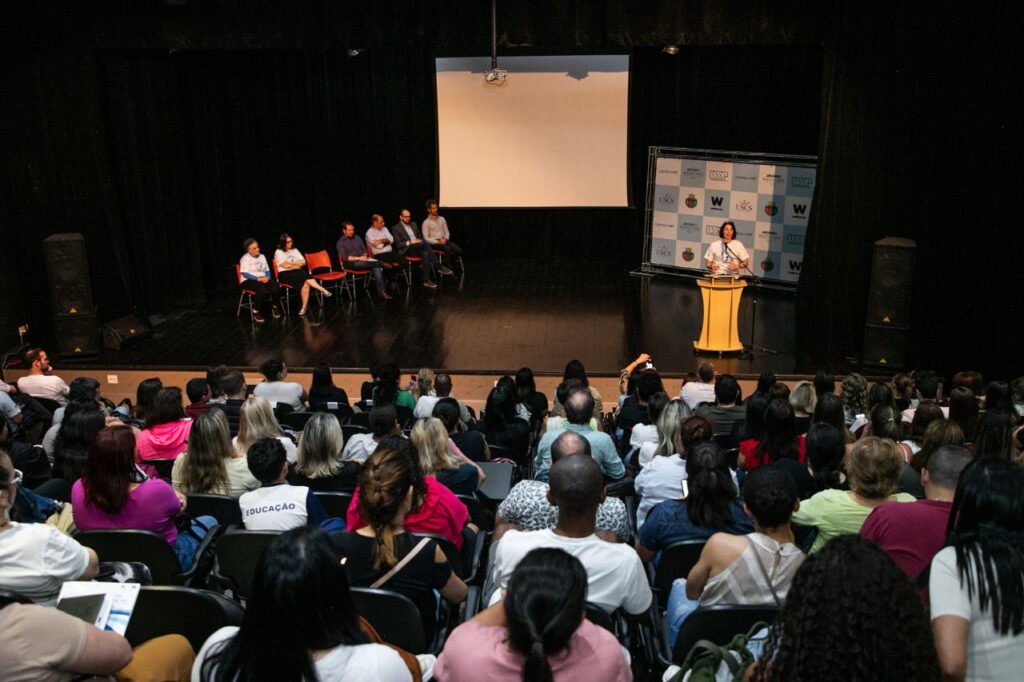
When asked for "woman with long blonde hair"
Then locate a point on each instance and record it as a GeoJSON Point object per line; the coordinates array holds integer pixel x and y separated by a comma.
{"type": "Point", "coordinates": [438, 458]}
{"type": "Point", "coordinates": [211, 464]}
{"type": "Point", "coordinates": [256, 420]}
{"type": "Point", "coordinates": [318, 463]}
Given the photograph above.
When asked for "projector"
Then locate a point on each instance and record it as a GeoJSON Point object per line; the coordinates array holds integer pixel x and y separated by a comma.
{"type": "Point", "coordinates": [495, 76]}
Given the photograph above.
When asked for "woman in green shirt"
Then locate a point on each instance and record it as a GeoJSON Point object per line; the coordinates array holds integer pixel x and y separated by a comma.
{"type": "Point", "coordinates": [873, 472]}
{"type": "Point", "coordinates": [386, 389]}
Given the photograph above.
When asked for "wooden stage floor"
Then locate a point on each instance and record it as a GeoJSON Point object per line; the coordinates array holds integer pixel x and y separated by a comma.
{"type": "Point", "coordinates": [499, 316]}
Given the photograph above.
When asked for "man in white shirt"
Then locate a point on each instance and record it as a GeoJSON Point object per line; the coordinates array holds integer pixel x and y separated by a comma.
{"type": "Point", "coordinates": [383, 422]}
{"type": "Point", "coordinates": [615, 576]}
{"type": "Point", "coordinates": [435, 231]}
{"type": "Point", "coordinates": [39, 383]}
{"type": "Point", "coordinates": [703, 391]}
{"type": "Point", "coordinates": [409, 242]}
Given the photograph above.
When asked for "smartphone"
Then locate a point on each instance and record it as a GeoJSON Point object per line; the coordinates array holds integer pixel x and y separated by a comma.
{"type": "Point", "coordinates": [649, 364]}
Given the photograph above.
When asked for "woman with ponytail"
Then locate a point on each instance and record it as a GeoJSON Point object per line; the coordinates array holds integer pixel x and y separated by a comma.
{"type": "Point", "coordinates": [710, 504]}
{"type": "Point", "coordinates": [538, 634]}
{"type": "Point", "coordinates": [387, 491]}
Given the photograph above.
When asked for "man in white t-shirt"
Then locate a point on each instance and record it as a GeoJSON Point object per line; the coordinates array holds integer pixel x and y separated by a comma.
{"type": "Point", "coordinates": [39, 383]}
{"type": "Point", "coordinates": [36, 559]}
{"type": "Point", "coordinates": [615, 576]}
{"type": "Point", "coordinates": [276, 505]}
{"type": "Point", "coordinates": [694, 393]}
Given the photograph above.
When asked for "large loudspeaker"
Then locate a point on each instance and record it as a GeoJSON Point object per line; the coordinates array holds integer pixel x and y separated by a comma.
{"type": "Point", "coordinates": [77, 335]}
{"type": "Point", "coordinates": [892, 280]}
{"type": "Point", "coordinates": [68, 272]}
{"type": "Point", "coordinates": [887, 330]}
{"type": "Point", "coordinates": [124, 332]}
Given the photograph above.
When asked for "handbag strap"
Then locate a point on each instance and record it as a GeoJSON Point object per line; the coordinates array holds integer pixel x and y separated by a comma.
{"type": "Point", "coordinates": [764, 572]}
{"type": "Point", "coordinates": [401, 564]}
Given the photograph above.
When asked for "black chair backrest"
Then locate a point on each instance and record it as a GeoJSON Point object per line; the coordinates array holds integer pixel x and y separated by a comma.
{"type": "Point", "coordinates": [334, 503]}
{"type": "Point", "coordinates": [726, 441]}
{"type": "Point", "coordinates": [676, 561]}
{"type": "Point", "coordinates": [163, 467]}
{"type": "Point", "coordinates": [349, 430]}
{"type": "Point", "coordinates": [404, 415]}
{"type": "Point", "coordinates": [719, 624]}
{"type": "Point", "coordinates": [477, 513]}
{"type": "Point", "coordinates": [395, 618]}
{"type": "Point", "coordinates": [238, 552]}
{"type": "Point", "coordinates": [296, 421]}
{"type": "Point", "coordinates": [598, 616]}
{"type": "Point", "coordinates": [340, 410]}
{"type": "Point", "coordinates": [499, 479]}
{"type": "Point", "coordinates": [191, 613]}
{"type": "Point", "coordinates": [502, 451]}
{"type": "Point", "coordinates": [450, 552]}
{"type": "Point", "coordinates": [282, 409]}
{"type": "Point", "coordinates": [224, 508]}
{"type": "Point", "coordinates": [136, 545]}
{"type": "Point", "coordinates": [360, 419]}
{"type": "Point", "coordinates": [732, 457]}
{"type": "Point", "coordinates": [48, 404]}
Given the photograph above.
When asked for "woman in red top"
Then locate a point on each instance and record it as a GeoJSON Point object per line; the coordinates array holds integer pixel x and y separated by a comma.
{"type": "Point", "coordinates": [779, 440]}
{"type": "Point", "coordinates": [435, 509]}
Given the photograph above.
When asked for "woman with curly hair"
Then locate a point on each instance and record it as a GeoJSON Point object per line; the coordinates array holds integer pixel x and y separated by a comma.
{"type": "Point", "coordinates": [854, 394]}
{"type": "Point", "coordinates": [977, 584]}
{"type": "Point", "coordinates": [850, 599]}
{"type": "Point", "coordinates": [387, 492]}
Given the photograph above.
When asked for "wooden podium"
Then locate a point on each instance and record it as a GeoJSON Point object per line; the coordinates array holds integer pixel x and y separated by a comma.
{"type": "Point", "coordinates": [719, 330]}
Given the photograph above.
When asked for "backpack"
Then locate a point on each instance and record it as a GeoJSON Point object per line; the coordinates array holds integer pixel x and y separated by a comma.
{"type": "Point", "coordinates": [709, 662]}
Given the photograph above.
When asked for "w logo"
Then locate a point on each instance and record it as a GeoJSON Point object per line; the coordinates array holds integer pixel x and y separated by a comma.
{"type": "Point", "coordinates": [717, 201]}
{"type": "Point", "coordinates": [800, 209]}
{"type": "Point", "coordinates": [794, 265]}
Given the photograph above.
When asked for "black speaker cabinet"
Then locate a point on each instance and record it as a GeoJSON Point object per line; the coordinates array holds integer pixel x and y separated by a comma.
{"type": "Point", "coordinates": [892, 279]}
{"type": "Point", "coordinates": [885, 345]}
{"type": "Point", "coordinates": [124, 332]}
{"type": "Point", "coordinates": [68, 273]}
{"type": "Point", "coordinates": [77, 335]}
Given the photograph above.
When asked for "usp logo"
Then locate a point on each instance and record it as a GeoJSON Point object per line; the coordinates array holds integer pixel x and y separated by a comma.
{"type": "Point", "coordinates": [691, 201]}
{"type": "Point", "coordinates": [687, 254]}
{"type": "Point", "coordinates": [767, 265]}
{"type": "Point", "coordinates": [718, 175]}
{"type": "Point", "coordinates": [771, 209]}
{"type": "Point", "coordinates": [800, 182]}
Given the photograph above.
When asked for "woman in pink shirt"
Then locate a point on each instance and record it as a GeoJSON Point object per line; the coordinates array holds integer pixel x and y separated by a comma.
{"type": "Point", "coordinates": [538, 633]}
{"type": "Point", "coordinates": [165, 434]}
{"type": "Point", "coordinates": [113, 494]}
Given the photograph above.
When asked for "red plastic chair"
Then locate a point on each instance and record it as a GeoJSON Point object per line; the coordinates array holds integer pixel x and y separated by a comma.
{"type": "Point", "coordinates": [288, 288]}
{"type": "Point", "coordinates": [353, 276]}
{"type": "Point", "coordinates": [319, 266]}
{"type": "Point", "coordinates": [385, 265]}
{"type": "Point", "coordinates": [245, 298]}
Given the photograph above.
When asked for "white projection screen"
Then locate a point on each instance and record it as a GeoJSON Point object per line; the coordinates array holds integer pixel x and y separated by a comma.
{"type": "Point", "coordinates": [554, 135]}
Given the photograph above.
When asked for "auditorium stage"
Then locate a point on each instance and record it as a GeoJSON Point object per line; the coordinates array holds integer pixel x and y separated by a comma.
{"type": "Point", "coordinates": [499, 316]}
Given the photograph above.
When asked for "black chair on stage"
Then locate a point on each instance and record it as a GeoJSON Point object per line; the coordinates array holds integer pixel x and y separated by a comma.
{"type": "Point", "coordinates": [334, 503]}
{"type": "Point", "coordinates": [191, 613]}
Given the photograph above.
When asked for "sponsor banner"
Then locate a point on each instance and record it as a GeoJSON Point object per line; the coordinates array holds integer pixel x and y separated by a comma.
{"type": "Point", "coordinates": [769, 203]}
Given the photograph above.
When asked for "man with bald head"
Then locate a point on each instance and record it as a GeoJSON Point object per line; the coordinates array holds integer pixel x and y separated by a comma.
{"type": "Point", "coordinates": [579, 407]}
{"type": "Point", "coordinates": [527, 506]}
{"type": "Point", "coordinates": [615, 576]}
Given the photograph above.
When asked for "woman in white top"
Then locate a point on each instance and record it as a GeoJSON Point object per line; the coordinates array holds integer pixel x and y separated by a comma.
{"type": "Point", "coordinates": [254, 275]}
{"type": "Point", "coordinates": [726, 256]}
{"type": "Point", "coordinates": [291, 270]}
{"type": "Point", "coordinates": [662, 478]}
{"type": "Point", "coordinates": [256, 420]}
{"type": "Point", "coordinates": [275, 390]}
{"type": "Point", "coordinates": [211, 465]}
{"type": "Point", "coordinates": [976, 586]}
{"type": "Point", "coordinates": [300, 623]}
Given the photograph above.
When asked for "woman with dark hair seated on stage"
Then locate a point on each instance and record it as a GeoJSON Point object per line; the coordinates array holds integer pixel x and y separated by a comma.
{"type": "Point", "coordinates": [322, 390]}
{"type": "Point", "coordinates": [501, 426]}
{"type": "Point", "coordinates": [256, 277]}
{"type": "Point", "coordinates": [291, 270]}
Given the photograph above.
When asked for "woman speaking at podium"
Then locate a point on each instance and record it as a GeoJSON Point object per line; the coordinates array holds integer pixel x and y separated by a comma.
{"type": "Point", "coordinates": [726, 257]}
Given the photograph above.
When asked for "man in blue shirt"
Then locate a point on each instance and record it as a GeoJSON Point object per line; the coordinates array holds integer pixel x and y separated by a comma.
{"type": "Point", "coordinates": [579, 408]}
{"type": "Point", "coordinates": [352, 255]}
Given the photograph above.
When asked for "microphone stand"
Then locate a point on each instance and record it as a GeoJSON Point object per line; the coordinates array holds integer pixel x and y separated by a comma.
{"type": "Point", "coordinates": [753, 317]}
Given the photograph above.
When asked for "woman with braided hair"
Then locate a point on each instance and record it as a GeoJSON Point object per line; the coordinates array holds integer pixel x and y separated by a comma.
{"type": "Point", "coordinates": [382, 554]}
{"type": "Point", "coordinates": [538, 633]}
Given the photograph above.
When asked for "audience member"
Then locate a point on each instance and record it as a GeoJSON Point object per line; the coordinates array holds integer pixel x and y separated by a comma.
{"type": "Point", "coordinates": [778, 391]}
{"type": "Point", "coordinates": [214, 375]}
{"type": "Point", "coordinates": [40, 382]}
{"type": "Point", "coordinates": [658, 436]}
{"type": "Point", "coordinates": [926, 390]}
{"type": "Point", "coordinates": [662, 478]}
{"type": "Point", "coordinates": [752, 430]}
{"type": "Point", "coordinates": [322, 389]}
{"type": "Point", "coordinates": [387, 488]}
{"type": "Point", "coordinates": [529, 508]}
{"type": "Point", "coordinates": [879, 395]}
{"type": "Point", "coordinates": [872, 471]}
{"type": "Point", "coordinates": [779, 440]}
{"type": "Point", "coordinates": [634, 410]}
{"type": "Point", "coordinates": [709, 505]}
{"type": "Point", "coordinates": [884, 422]}
{"type": "Point", "coordinates": [726, 411]}
{"type": "Point", "coordinates": [257, 421]}
{"type": "Point", "coordinates": [300, 623]}
{"type": "Point", "coordinates": [695, 393]}
{"type": "Point", "coordinates": [902, 390]}
{"type": "Point", "coordinates": [211, 465]}
{"type": "Point", "coordinates": [386, 389]}
{"type": "Point", "coordinates": [502, 427]}
{"type": "Point", "coordinates": [939, 432]}
{"type": "Point", "coordinates": [319, 464]}
{"type": "Point", "coordinates": [804, 400]}
{"type": "Point", "coordinates": [383, 422]}
{"type": "Point", "coordinates": [165, 434]}
{"type": "Point", "coordinates": [434, 508]}
{"type": "Point", "coordinates": [616, 578]}
{"type": "Point", "coordinates": [31, 461]}
{"type": "Point", "coordinates": [914, 532]}
{"type": "Point", "coordinates": [538, 633]}
{"type": "Point", "coordinates": [145, 394]}
{"type": "Point", "coordinates": [558, 421]}
{"type": "Point", "coordinates": [765, 381]}
{"type": "Point", "coordinates": [751, 569]}
{"type": "Point", "coordinates": [82, 421]}
{"type": "Point", "coordinates": [825, 451]}
{"type": "Point", "coordinates": [824, 383]}
{"type": "Point", "coordinates": [470, 443]}
{"type": "Point", "coordinates": [970, 380]}
{"type": "Point", "coordinates": [578, 410]}
{"type": "Point", "coordinates": [963, 409]}
{"type": "Point", "coordinates": [923, 417]}
{"type": "Point", "coordinates": [276, 390]}
{"type": "Point", "coordinates": [851, 600]}
{"type": "Point", "coordinates": [443, 388]}
{"type": "Point", "coordinates": [526, 388]}
{"type": "Point", "coordinates": [113, 494]}
{"type": "Point", "coordinates": [574, 370]}
{"type": "Point", "coordinates": [977, 584]}
{"type": "Point", "coordinates": [1017, 396]}
{"type": "Point", "coordinates": [198, 392]}
{"type": "Point", "coordinates": [998, 396]}
{"type": "Point", "coordinates": [276, 505]}
{"type": "Point", "coordinates": [233, 390]}
{"type": "Point", "coordinates": [829, 410]}
{"type": "Point", "coordinates": [994, 437]}
{"type": "Point", "coordinates": [461, 475]}
{"type": "Point", "coordinates": [854, 394]}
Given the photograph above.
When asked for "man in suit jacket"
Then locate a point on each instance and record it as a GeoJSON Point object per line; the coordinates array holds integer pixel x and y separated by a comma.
{"type": "Point", "coordinates": [409, 242]}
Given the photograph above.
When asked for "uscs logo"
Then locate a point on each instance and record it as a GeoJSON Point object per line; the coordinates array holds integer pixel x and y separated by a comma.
{"type": "Point", "coordinates": [687, 254]}
{"type": "Point", "coordinates": [691, 201]}
{"type": "Point", "coordinates": [770, 209]}
{"type": "Point", "coordinates": [718, 175]}
{"type": "Point", "coordinates": [767, 265]}
{"type": "Point", "coordinates": [667, 198]}
{"type": "Point", "coordinates": [744, 206]}
{"type": "Point", "coordinates": [664, 252]}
